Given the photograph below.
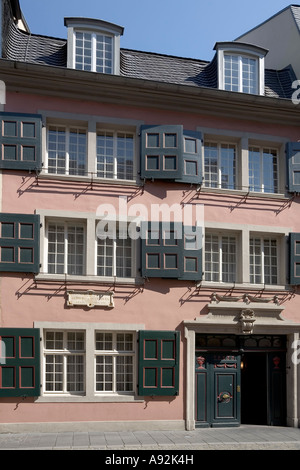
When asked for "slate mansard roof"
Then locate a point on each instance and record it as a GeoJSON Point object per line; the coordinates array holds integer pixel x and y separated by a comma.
{"type": "Point", "coordinates": [22, 46]}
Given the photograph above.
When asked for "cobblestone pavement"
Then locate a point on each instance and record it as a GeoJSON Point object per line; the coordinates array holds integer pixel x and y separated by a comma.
{"type": "Point", "coordinates": [240, 438]}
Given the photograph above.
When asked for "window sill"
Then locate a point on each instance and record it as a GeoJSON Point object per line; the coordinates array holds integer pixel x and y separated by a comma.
{"type": "Point", "coordinates": [244, 286]}
{"type": "Point", "coordinates": [88, 399]}
{"type": "Point", "coordinates": [240, 192]}
{"type": "Point", "coordinates": [92, 179]}
{"type": "Point", "coordinates": [88, 279]}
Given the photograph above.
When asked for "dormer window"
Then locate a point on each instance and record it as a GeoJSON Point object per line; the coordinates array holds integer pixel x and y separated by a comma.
{"type": "Point", "coordinates": [93, 45]}
{"type": "Point", "coordinates": [241, 67]}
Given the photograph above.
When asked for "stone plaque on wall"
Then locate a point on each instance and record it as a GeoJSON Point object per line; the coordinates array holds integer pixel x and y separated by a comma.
{"type": "Point", "coordinates": [90, 299]}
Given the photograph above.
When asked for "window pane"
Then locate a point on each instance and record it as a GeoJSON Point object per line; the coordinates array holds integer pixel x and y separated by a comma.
{"type": "Point", "coordinates": [53, 373]}
{"type": "Point", "coordinates": [75, 250]}
{"type": "Point", "coordinates": [56, 149]}
{"type": "Point", "coordinates": [83, 51]}
{"type": "Point", "coordinates": [75, 373]}
{"type": "Point", "coordinates": [104, 373]}
{"type": "Point", "coordinates": [115, 153]}
{"type": "Point", "coordinates": [219, 165]}
{"type": "Point", "coordinates": [263, 170]}
{"type": "Point", "coordinates": [104, 342]}
{"type": "Point", "coordinates": [114, 257]}
{"type": "Point", "coordinates": [77, 152]}
{"type": "Point", "coordinates": [124, 373]}
{"type": "Point", "coordinates": [211, 258]}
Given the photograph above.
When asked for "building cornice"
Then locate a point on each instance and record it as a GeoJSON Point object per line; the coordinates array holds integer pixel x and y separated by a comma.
{"type": "Point", "coordinates": [73, 84]}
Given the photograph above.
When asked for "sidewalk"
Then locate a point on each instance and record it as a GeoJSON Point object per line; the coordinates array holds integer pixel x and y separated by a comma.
{"type": "Point", "coordinates": [245, 437]}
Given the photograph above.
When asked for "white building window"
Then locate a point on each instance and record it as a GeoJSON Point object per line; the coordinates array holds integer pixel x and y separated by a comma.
{"type": "Point", "coordinates": [263, 260]}
{"type": "Point", "coordinates": [220, 258]}
{"type": "Point", "coordinates": [66, 248]}
{"type": "Point", "coordinates": [115, 155]}
{"type": "Point", "coordinates": [114, 257]}
{"type": "Point", "coordinates": [66, 150]}
{"type": "Point", "coordinates": [114, 362]}
{"type": "Point", "coordinates": [263, 169]}
{"type": "Point", "coordinates": [240, 73]}
{"type": "Point", "coordinates": [241, 67]}
{"type": "Point", "coordinates": [93, 45]}
{"type": "Point", "coordinates": [64, 358]}
{"type": "Point", "coordinates": [93, 52]}
{"type": "Point", "coordinates": [219, 165]}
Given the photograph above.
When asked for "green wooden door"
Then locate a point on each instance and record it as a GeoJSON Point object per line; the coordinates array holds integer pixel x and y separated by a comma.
{"type": "Point", "coordinates": [217, 390]}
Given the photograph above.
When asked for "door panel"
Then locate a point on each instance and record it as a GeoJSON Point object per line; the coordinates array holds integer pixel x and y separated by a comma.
{"type": "Point", "coordinates": [217, 390]}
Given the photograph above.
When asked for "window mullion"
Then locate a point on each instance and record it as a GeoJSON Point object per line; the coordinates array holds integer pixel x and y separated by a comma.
{"type": "Point", "coordinates": [93, 52]}
{"type": "Point", "coordinates": [240, 62]}
{"type": "Point", "coordinates": [220, 259]}
{"type": "Point", "coordinates": [262, 250]}
{"type": "Point", "coordinates": [115, 153]}
{"type": "Point", "coordinates": [66, 249]}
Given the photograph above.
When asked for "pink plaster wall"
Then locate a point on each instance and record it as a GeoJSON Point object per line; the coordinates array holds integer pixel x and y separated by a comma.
{"type": "Point", "coordinates": [160, 304]}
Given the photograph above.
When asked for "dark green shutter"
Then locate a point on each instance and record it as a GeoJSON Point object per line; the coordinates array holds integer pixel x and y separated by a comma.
{"type": "Point", "coordinates": [293, 166]}
{"type": "Point", "coordinates": [161, 249]}
{"type": "Point", "coordinates": [191, 158]}
{"type": "Point", "coordinates": [191, 259]}
{"type": "Point", "coordinates": [20, 362]}
{"type": "Point", "coordinates": [20, 139]}
{"type": "Point", "coordinates": [161, 152]}
{"type": "Point", "coordinates": [171, 250]}
{"type": "Point", "coordinates": [159, 363]}
{"type": "Point", "coordinates": [19, 242]}
{"type": "Point", "coordinates": [295, 258]}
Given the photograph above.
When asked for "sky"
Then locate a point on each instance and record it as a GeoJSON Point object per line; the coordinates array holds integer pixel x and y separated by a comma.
{"type": "Point", "coordinates": [183, 28]}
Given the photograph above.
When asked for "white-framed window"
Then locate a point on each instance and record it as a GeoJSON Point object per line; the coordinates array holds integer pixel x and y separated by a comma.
{"type": "Point", "coordinates": [66, 150]}
{"type": "Point", "coordinates": [78, 244]}
{"type": "Point", "coordinates": [114, 257]}
{"type": "Point", "coordinates": [66, 248]}
{"type": "Point", "coordinates": [240, 73]}
{"type": "Point", "coordinates": [88, 362]}
{"type": "Point", "coordinates": [64, 362]}
{"type": "Point", "coordinates": [115, 154]}
{"type": "Point", "coordinates": [93, 45]}
{"type": "Point", "coordinates": [86, 147]}
{"type": "Point", "coordinates": [93, 52]}
{"type": "Point", "coordinates": [263, 260]}
{"type": "Point", "coordinates": [241, 67]}
{"type": "Point", "coordinates": [114, 362]}
{"type": "Point", "coordinates": [220, 257]}
{"type": "Point", "coordinates": [220, 161]}
{"type": "Point", "coordinates": [263, 169]}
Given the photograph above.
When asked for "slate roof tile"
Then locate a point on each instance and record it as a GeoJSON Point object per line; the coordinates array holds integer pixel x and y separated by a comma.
{"type": "Point", "coordinates": [26, 47]}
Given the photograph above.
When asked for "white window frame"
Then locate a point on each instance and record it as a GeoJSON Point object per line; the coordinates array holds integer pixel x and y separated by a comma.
{"type": "Point", "coordinates": [241, 50]}
{"type": "Point", "coordinates": [67, 132]}
{"type": "Point", "coordinates": [262, 261]}
{"type": "Point", "coordinates": [89, 329]}
{"type": "Point", "coordinates": [113, 354]}
{"type": "Point", "coordinates": [92, 125]}
{"type": "Point", "coordinates": [243, 233]}
{"type": "Point", "coordinates": [66, 223]}
{"type": "Point", "coordinates": [244, 141]}
{"type": "Point", "coordinates": [261, 152]}
{"type": "Point", "coordinates": [220, 236]}
{"type": "Point", "coordinates": [93, 63]}
{"type": "Point", "coordinates": [66, 353]}
{"type": "Point", "coordinates": [93, 27]}
{"type": "Point", "coordinates": [89, 221]}
{"type": "Point", "coordinates": [218, 144]}
{"type": "Point", "coordinates": [115, 156]}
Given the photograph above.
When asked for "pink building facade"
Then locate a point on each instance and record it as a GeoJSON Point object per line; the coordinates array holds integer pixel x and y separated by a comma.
{"type": "Point", "coordinates": [150, 234]}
